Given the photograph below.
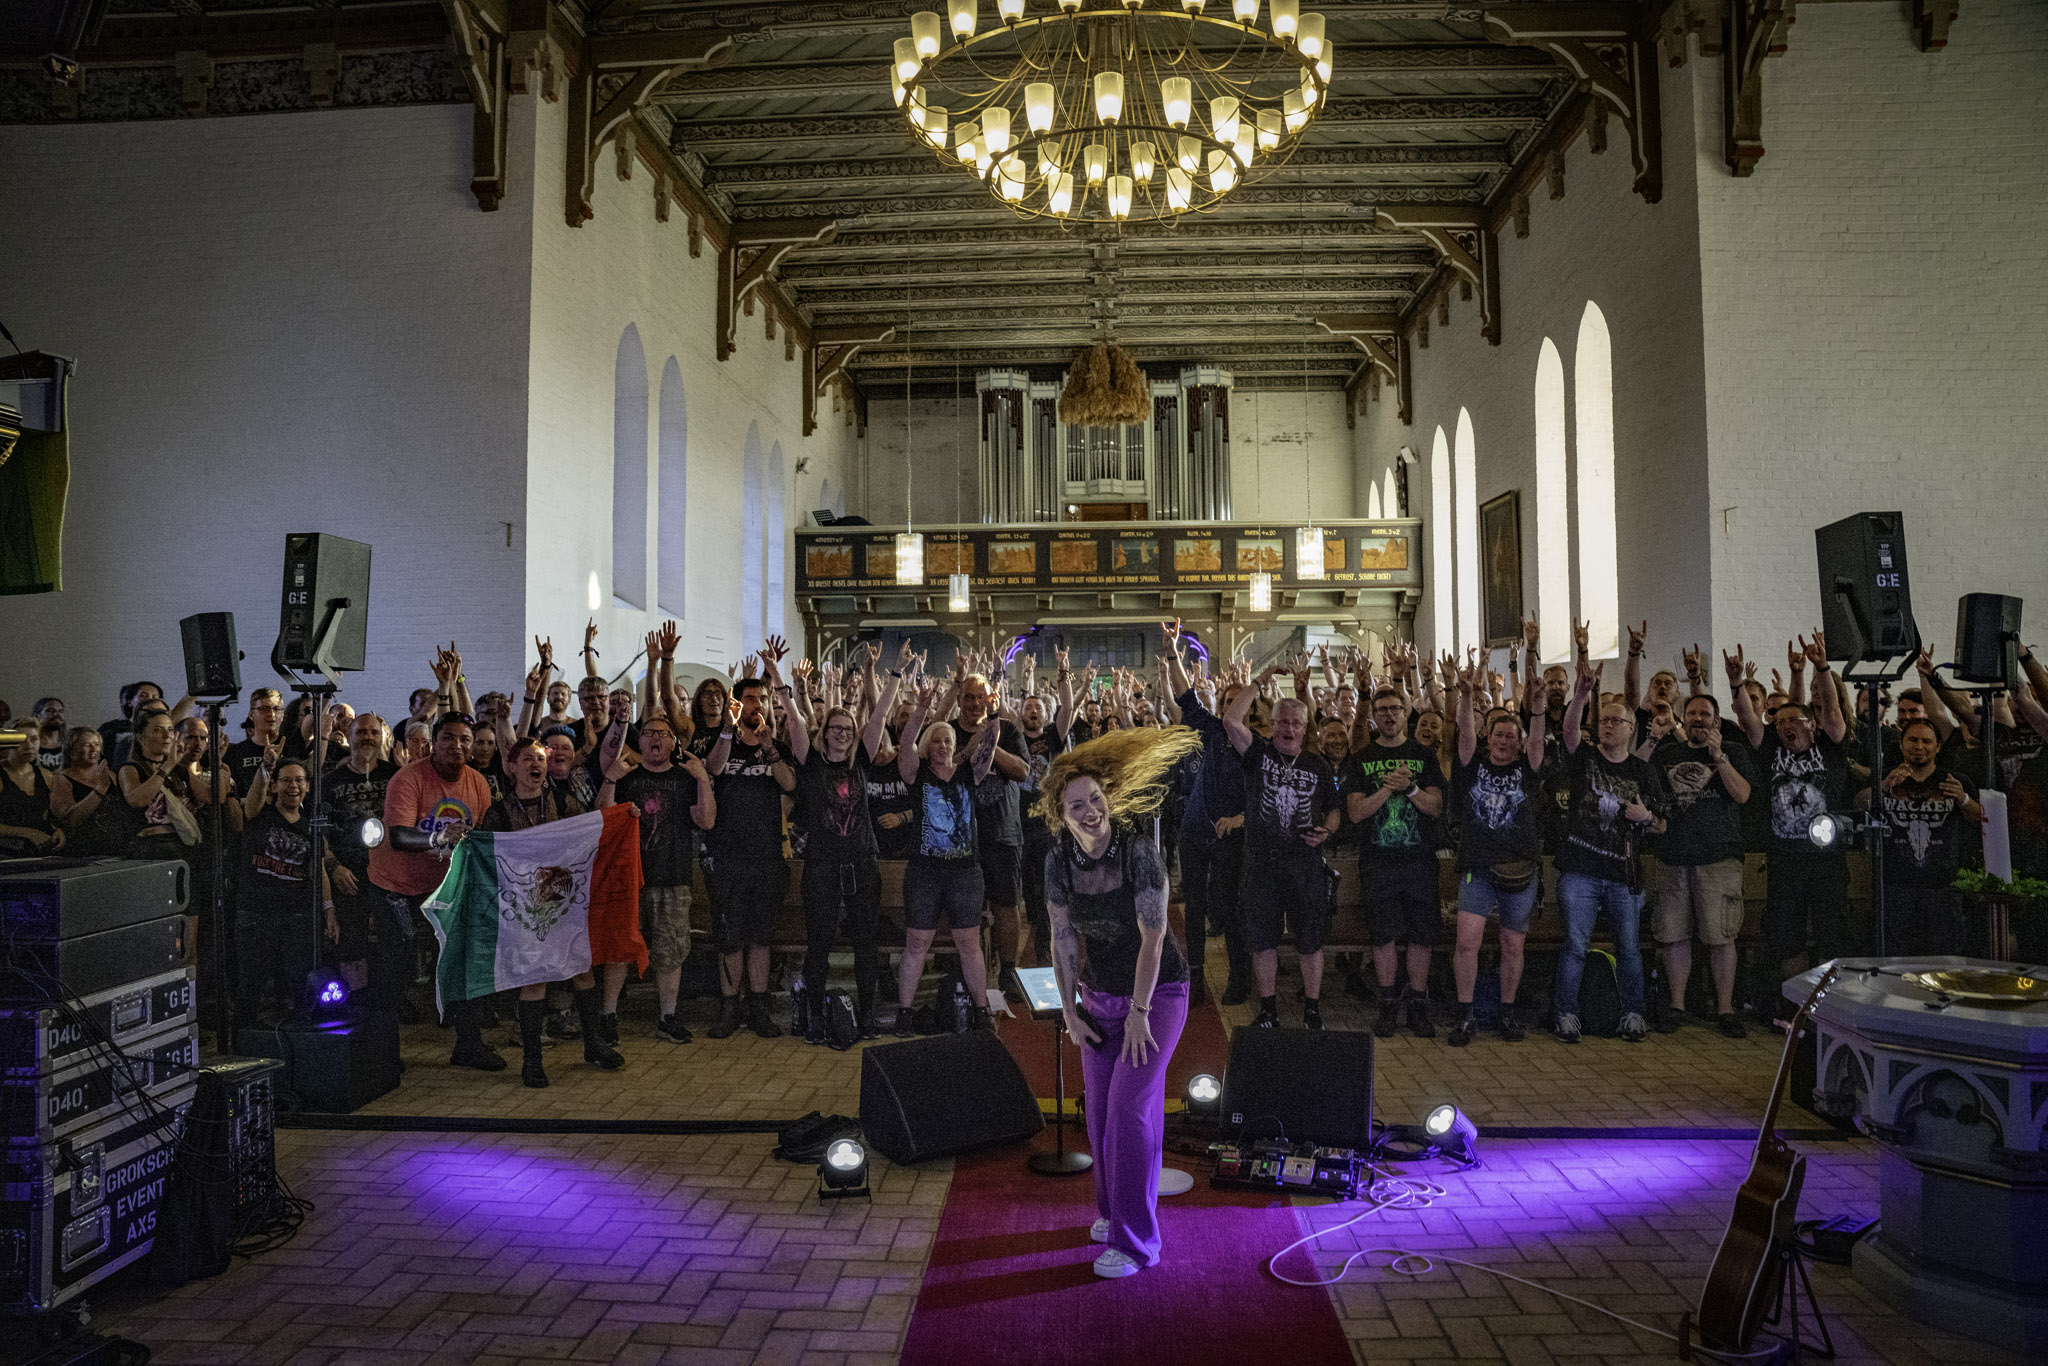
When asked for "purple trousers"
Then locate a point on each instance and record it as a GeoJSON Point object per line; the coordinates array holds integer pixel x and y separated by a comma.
{"type": "Point", "coordinates": [1126, 1109]}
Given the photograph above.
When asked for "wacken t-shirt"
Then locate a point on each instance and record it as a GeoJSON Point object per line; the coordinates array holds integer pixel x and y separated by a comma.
{"type": "Point", "coordinates": [1598, 838]}
{"type": "Point", "coordinates": [1399, 829]}
{"type": "Point", "coordinates": [350, 797]}
{"type": "Point", "coordinates": [1706, 823]}
{"type": "Point", "coordinates": [1286, 796]}
{"type": "Point", "coordinates": [1803, 784]}
{"type": "Point", "coordinates": [1924, 830]}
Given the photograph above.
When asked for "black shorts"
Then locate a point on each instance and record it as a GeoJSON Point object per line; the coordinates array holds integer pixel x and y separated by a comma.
{"type": "Point", "coordinates": [746, 896]}
{"type": "Point", "coordinates": [1289, 889]}
{"type": "Point", "coordinates": [942, 894]}
{"type": "Point", "coordinates": [1401, 895]}
{"type": "Point", "coordinates": [1001, 883]}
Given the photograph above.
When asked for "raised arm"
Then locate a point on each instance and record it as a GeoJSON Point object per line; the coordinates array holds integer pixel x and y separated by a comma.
{"type": "Point", "coordinates": [772, 655]}
{"type": "Point", "coordinates": [1745, 710]}
{"type": "Point", "coordinates": [1795, 660]}
{"type": "Point", "coordinates": [1584, 690]}
{"type": "Point", "coordinates": [1632, 672]}
{"type": "Point", "coordinates": [906, 743]}
{"type": "Point", "coordinates": [1240, 707]}
{"type": "Point", "coordinates": [1468, 729]}
{"type": "Point", "coordinates": [1829, 717]}
{"type": "Point", "coordinates": [590, 650]}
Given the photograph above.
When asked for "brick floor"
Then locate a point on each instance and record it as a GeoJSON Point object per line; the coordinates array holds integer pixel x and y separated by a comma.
{"type": "Point", "coordinates": [458, 1248]}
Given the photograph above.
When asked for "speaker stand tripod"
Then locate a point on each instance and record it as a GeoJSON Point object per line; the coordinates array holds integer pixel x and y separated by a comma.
{"type": "Point", "coordinates": [1059, 1162]}
{"type": "Point", "coordinates": [1796, 1285]}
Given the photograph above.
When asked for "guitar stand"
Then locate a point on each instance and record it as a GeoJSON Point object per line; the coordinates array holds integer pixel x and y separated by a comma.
{"type": "Point", "coordinates": [1793, 1286]}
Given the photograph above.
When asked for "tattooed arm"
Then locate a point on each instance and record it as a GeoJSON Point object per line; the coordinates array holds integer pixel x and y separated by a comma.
{"type": "Point", "coordinates": [1148, 872]}
{"type": "Point", "coordinates": [1066, 962]}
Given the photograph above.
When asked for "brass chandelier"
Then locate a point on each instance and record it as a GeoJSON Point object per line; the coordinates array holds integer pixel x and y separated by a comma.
{"type": "Point", "coordinates": [1111, 110]}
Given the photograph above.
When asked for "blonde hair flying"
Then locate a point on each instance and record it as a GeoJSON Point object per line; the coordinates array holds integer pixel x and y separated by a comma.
{"type": "Point", "coordinates": [1132, 766]}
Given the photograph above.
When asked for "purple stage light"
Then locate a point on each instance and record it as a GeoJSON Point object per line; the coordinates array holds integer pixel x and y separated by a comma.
{"type": "Point", "coordinates": [332, 992]}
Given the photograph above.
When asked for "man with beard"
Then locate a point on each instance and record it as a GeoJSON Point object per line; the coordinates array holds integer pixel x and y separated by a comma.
{"type": "Point", "coordinates": [1806, 772]}
{"type": "Point", "coordinates": [355, 789]}
{"type": "Point", "coordinates": [1394, 794]}
{"type": "Point", "coordinates": [749, 874]}
{"type": "Point", "coordinates": [1699, 860]}
{"type": "Point", "coordinates": [1211, 839]}
{"type": "Point", "coordinates": [1925, 812]}
{"type": "Point", "coordinates": [1291, 809]}
{"type": "Point", "coordinates": [998, 820]}
{"type": "Point", "coordinates": [673, 792]}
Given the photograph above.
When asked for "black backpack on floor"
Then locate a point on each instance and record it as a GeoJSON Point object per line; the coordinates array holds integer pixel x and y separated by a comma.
{"type": "Point", "coordinates": [1599, 997]}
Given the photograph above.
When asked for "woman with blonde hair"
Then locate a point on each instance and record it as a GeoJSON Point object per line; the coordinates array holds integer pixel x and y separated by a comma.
{"type": "Point", "coordinates": [1105, 885]}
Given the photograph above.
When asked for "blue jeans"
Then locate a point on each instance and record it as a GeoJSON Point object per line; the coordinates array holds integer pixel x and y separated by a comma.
{"type": "Point", "coordinates": [1583, 899]}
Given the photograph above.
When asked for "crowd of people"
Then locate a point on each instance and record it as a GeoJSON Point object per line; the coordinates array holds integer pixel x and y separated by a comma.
{"type": "Point", "coordinates": [1406, 761]}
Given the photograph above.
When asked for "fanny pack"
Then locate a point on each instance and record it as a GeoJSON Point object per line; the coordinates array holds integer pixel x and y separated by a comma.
{"type": "Point", "coordinates": [1515, 875]}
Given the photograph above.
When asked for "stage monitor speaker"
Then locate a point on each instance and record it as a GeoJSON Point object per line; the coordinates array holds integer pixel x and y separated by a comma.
{"type": "Point", "coordinates": [1866, 605]}
{"type": "Point", "coordinates": [943, 1095]}
{"type": "Point", "coordinates": [1304, 1083]}
{"type": "Point", "coordinates": [63, 898]}
{"type": "Point", "coordinates": [213, 666]}
{"type": "Point", "coordinates": [1988, 639]}
{"type": "Point", "coordinates": [323, 574]}
{"type": "Point", "coordinates": [332, 1068]}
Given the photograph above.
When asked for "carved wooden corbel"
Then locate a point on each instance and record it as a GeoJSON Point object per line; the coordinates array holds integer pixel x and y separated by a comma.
{"type": "Point", "coordinates": [1615, 60]}
{"type": "Point", "coordinates": [476, 30]}
{"type": "Point", "coordinates": [323, 72]}
{"type": "Point", "coordinates": [825, 365]}
{"type": "Point", "coordinates": [195, 77]}
{"type": "Point", "coordinates": [1750, 31]}
{"type": "Point", "coordinates": [1931, 19]}
{"type": "Point", "coordinates": [1386, 349]}
{"type": "Point", "coordinates": [1518, 209]}
{"type": "Point", "coordinates": [1553, 172]}
{"type": "Point", "coordinates": [536, 49]}
{"type": "Point", "coordinates": [1468, 247]}
{"type": "Point", "coordinates": [746, 260]}
{"type": "Point", "coordinates": [612, 83]}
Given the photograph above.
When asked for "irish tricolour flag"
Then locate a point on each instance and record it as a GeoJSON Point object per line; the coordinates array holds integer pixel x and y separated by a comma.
{"type": "Point", "coordinates": [539, 905]}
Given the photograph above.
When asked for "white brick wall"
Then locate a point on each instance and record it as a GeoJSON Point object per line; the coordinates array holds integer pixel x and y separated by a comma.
{"type": "Point", "coordinates": [1876, 312]}
{"type": "Point", "coordinates": [304, 322]}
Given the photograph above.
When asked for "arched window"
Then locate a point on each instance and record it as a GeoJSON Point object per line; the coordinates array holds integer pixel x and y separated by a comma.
{"type": "Point", "coordinates": [629, 471]}
{"type": "Point", "coordinates": [1471, 630]}
{"type": "Point", "coordinates": [1553, 526]}
{"type": "Point", "coordinates": [1593, 405]}
{"type": "Point", "coordinates": [775, 547]}
{"type": "Point", "coordinates": [672, 492]}
{"type": "Point", "coordinates": [1441, 574]}
{"type": "Point", "coordinates": [1372, 500]}
{"type": "Point", "coordinates": [1390, 499]}
{"type": "Point", "coordinates": [750, 541]}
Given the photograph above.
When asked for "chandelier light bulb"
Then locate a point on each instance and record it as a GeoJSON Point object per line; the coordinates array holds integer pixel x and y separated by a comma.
{"type": "Point", "coordinates": [1010, 178]}
{"type": "Point", "coordinates": [1286, 17]}
{"type": "Point", "coordinates": [1308, 552]}
{"type": "Point", "coordinates": [995, 129]}
{"type": "Point", "coordinates": [1261, 594]}
{"type": "Point", "coordinates": [957, 593]}
{"type": "Point", "coordinates": [1222, 172]}
{"type": "Point", "coordinates": [1109, 95]}
{"type": "Point", "coordinates": [907, 64]}
{"type": "Point", "coordinates": [1247, 11]}
{"type": "Point", "coordinates": [1189, 155]}
{"type": "Point", "coordinates": [909, 559]}
{"type": "Point", "coordinates": [896, 86]}
{"type": "Point", "coordinates": [967, 141]}
{"type": "Point", "coordinates": [1296, 111]}
{"type": "Point", "coordinates": [1309, 93]}
{"type": "Point", "coordinates": [1177, 94]}
{"type": "Point", "coordinates": [1191, 6]}
{"type": "Point", "coordinates": [1095, 161]}
{"type": "Point", "coordinates": [1327, 62]}
{"type": "Point", "coordinates": [1223, 118]}
{"type": "Point", "coordinates": [983, 158]}
{"type": "Point", "coordinates": [1133, 4]}
{"type": "Point", "coordinates": [1269, 129]}
{"type": "Point", "coordinates": [934, 129]}
{"type": "Point", "coordinates": [1061, 198]}
{"type": "Point", "coordinates": [1049, 160]}
{"type": "Point", "coordinates": [1010, 11]}
{"type": "Point", "coordinates": [1141, 162]}
{"type": "Point", "coordinates": [1180, 189]}
{"type": "Point", "coordinates": [1308, 35]}
{"type": "Point", "coordinates": [962, 12]}
{"type": "Point", "coordinates": [1119, 197]}
{"type": "Point", "coordinates": [1070, 5]}
{"type": "Point", "coordinates": [1038, 98]}
{"type": "Point", "coordinates": [924, 31]}
{"type": "Point", "coordinates": [1247, 145]}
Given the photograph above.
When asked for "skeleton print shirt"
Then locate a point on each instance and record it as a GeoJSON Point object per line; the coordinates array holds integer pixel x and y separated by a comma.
{"type": "Point", "coordinates": [1499, 812]}
{"type": "Point", "coordinates": [1286, 796]}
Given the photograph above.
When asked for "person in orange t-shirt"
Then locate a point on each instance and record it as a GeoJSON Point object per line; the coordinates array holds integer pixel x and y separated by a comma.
{"type": "Point", "coordinates": [429, 806]}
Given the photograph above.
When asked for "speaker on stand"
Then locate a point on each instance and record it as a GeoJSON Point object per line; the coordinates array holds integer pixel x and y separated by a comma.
{"type": "Point", "coordinates": [213, 671]}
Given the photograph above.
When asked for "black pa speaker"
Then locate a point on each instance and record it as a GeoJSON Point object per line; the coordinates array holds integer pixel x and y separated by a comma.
{"type": "Point", "coordinates": [1988, 639]}
{"type": "Point", "coordinates": [1866, 605]}
{"type": "Point", "coordinates": [1304, 1083]}
{"type": "Point", "coordinates": [943, 1095]}
{"type": "Point", "coordinates": [324, 575]}
{"type": "Point", "coordinates": [334, 1068]}
{"type": "Point", "coordinates": [213, 666]}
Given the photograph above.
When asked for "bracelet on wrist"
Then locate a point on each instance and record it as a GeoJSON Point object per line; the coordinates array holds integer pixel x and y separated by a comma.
{"type": "Point", "coordinates": [1142, 1010]}
{"type": "Point", "coordinates": [533, 701]}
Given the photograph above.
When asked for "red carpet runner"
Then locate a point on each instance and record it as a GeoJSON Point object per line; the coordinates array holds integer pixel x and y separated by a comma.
{"type": "Point", "coordinates": [1010, 1281]}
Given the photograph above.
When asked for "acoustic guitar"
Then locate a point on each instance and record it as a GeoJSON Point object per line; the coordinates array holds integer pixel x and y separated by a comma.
{"type": "Point", "coordinates": [1750, 1264]}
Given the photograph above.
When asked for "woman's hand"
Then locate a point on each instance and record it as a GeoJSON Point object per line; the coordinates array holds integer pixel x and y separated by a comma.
{"type": "Point", "coordinates": [344, 881]}
{"type": "Point", "coordinates": [1137, 1037]}
{"type": "Point", "coordinates": [1078, 1027]}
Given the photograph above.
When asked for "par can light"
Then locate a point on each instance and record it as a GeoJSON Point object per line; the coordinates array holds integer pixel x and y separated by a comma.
{"type": "Point", "coordinates": [1448, 1129]}
{"type": "Point", "coordinates": [1205, 1094]}
{"type": "Point", "coordinates": [843, 1171]}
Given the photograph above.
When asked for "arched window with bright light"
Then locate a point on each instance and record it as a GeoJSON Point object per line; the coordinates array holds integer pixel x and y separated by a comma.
{"type": "Point", "coordinates": [774, 547]}
{"type": "Point", "coordinates": [1593, 405]}
{"type": "Point", "coordinates": [1390, 499]}
{"type": "Point", "coordinates": [672, 492]}
{"type": "Point", "coordinates": [1372, 500]}
{"type": "Point", "coordinates": [1465, 457]}
{"type": "Point", "coordinates": [1553, 497]}
{"type": "Point", "coordinates": [629, 470]}
{"type": "Point", "coordinates": [1441, 536]}
{"type": "Point", "coordinates": [751, 532]}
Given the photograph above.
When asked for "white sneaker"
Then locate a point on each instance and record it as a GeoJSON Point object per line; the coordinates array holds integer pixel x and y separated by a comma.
{"type": "Point", "coordinates": [1633, 1028]}
{"type": "Point", "coordinates": [1099, 1230]}
{"type": "Point", "coordinates": [1113, 1265]}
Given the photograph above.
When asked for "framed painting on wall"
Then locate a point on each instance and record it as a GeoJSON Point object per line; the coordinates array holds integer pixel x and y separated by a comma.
{"type": "Point", "coordinates": [1500, 560]}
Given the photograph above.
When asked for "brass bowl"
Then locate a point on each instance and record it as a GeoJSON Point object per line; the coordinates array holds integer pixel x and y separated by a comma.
{"type": "Point", "coordinates": [1987, 985]}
